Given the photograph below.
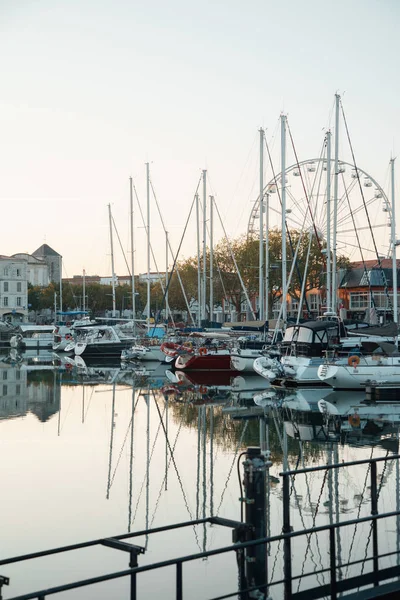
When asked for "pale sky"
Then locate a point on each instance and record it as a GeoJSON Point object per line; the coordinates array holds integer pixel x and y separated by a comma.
{"type": "Point", "coordinates": [93, 89]}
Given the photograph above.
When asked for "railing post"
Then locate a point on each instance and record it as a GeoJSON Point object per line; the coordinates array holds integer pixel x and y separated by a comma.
{"type": "Point", "coordinates": [287, 552]}
{"type": "Point", "coordinates": [332, 552]}
{"type": "Point", "coordinates": [374, 511]}
{"type": "Point", "coordinates": [179, 589]}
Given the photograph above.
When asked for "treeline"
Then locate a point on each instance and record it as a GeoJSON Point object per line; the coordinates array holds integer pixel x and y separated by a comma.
{"type": "Point", "coordinates": [244, 251]}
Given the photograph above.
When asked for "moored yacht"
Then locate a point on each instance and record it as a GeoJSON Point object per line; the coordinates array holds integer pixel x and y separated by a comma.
{"type": "Point", "coordinates": [100, 340]}
{"type": "Point", "coordinates": [359, 371]}
{"type": "Point", "coordinates": [33, 337]}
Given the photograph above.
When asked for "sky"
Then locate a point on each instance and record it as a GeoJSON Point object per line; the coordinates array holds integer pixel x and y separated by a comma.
{"type": "Point", "coordinates": [91, 90]}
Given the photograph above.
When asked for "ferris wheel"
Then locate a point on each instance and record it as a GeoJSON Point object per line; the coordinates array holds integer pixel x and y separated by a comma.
{"type": "Point", "coordinates": [362, 206]}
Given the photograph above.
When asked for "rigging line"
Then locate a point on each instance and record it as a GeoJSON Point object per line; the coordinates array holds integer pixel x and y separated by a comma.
{"type": "Point", "coordinates": [122, 447]}
{"type": "Point", "coordinates": [218, 269]}
{"type": "Point", "coordinates": [120, 245]}
{"type": "Point", "coordinates": [160, 279]}
{"type": "Point", "coordinates": [286, 224]}
{"type": "Point", "coordinates": [290, 494]}
{"type": "Point", "coordinates": [120, 453]}
{"type": "Point", "coordinates": [232, 465]}
{"type": "Point", "coordinates": [366, 210]}
{"type": "Point", "coordinates": [313, 525]}
{"type": "Point", "coordinates": [361, 252]}
{"type": "Point", "coordinates": [175, 261]}
{"type": "Point", "coordinates": [144, 478]}
{"type": "Point", "coordinates": [235, 263]}
{"type": "Point", "coordinates": [371, 524]}
{"type": "Point", "coordinates": [305, 191]}
{"type": "Point", "coordinates": [66, 415]}
{"type": "Point", "coordinates": [169, 242]}
{"type": "Point", "coordinates": [321, 217]}
{"type": "Point", "coordinates": [358, 512]}
{"type": "Point", "coordinates": [162, 488]}
{"type": "Point", "coordinates": [172, 458]}
{"type": "Point", "coordinates": [174, 462]}
{"type": "Point", "coordinates": [90, 400]}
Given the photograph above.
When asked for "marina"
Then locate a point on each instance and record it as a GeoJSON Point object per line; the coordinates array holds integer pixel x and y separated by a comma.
{"type": "Point", "coordinates": [199, 301]}
{"type": "Point", "coordinates": [114, 450]}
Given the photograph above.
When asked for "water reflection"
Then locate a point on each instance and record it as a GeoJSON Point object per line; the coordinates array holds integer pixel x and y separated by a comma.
{"type": "Point", "coordinates": [140, 447]}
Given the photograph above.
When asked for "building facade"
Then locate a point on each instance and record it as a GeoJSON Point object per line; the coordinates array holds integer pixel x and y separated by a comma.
{"type": "Point", "coordinates": [13, 289]}
{"type": "Point", "coordinates": [37, 269]}
{"type": "Point", "coordinates": [53, 261]}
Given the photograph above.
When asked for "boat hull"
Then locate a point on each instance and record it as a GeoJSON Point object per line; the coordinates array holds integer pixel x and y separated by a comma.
{"type": "Point", "coordinates": [113, 349]}
{"type": "Point", "coordinates": [207, 362]}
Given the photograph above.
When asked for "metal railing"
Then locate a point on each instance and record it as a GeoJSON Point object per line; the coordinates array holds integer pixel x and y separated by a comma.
{"type": "Point", "coordinates": [243, 548]}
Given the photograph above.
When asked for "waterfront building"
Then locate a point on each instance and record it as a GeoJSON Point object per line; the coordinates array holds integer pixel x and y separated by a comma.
{"type": "Point", "coordinates": [52, 259]}
{"type": "Point", "coordinates": [13, 289]}
{"type": "Point", "coordinates": [37, 269]}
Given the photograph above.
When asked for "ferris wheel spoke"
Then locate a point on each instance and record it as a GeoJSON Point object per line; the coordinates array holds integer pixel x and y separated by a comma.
{"type": "Point", "coordinates": [307, 204]}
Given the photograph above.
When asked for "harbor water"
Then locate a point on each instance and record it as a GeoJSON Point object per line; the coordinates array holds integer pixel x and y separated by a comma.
{"type": "Point", "coordinates": [97, 451]}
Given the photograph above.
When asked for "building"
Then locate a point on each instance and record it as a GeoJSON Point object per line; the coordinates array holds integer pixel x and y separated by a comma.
{"type": "Point", "coordinates": [37, 269]}
{"type": "Point", "coordinates": [367, 289]}
{"type": "Point", "coordinates": [53, 261]}
{"type": "Point", "coordinates": [13, 289]}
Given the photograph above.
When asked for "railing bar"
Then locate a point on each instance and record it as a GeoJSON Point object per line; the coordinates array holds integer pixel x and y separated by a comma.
{"type": "Point", "coordinates": [332, 560]}
{"type": "Point", "coordinates": [88, 544]}
{"type": "Point", "coordinates": [224, 549]}
{"type": "Point", "coordinates": [339, 465]}
{"type": "Point", "coordinates": [350, 564]}
{"type": "Point", "coordinates": [199, 521]}
{"type": "Point", "coordinates": [197, 556]}
{"type": "Point", "coordinates": [179, 589]}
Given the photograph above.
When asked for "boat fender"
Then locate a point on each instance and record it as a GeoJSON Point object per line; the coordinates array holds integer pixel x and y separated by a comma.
{"type": "Point", "coordinates": [354, 420]}
{"type": "Point", "coordinates": [353, 360]}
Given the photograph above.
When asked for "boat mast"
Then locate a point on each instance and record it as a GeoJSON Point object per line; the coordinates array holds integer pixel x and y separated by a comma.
{"type": "Point", "coordinates": [61, 298]}
{"type": "Point", "coordinates": [261, 241]}
{"type": "Point", "coordinates": [393, 233]}
{"type": "Point", "coordinates": [335, 205]}
{"type": "Point", "coordinates": [148, 242]}
{"type": "Point", "coordinates": [328, 223]}
{"type": "Point", "coordinates": [198, 261]}
{"type": "Point", "coordinates": [83, 291]}
{"type": "Point", "coordinates": [112, 262]}
{"type": "Point", "coordinates": [166, 277]}
{"type": "Point", "coordinates": [204, 294]}
{"type": "Point", "coordinates": [211, 260]}
{"type": "Point", "coordinates": [283, 182]}
{"type": "Point", "coordinates": [266, 256]}
{"type": "Point", "coordinates": [132, 257]}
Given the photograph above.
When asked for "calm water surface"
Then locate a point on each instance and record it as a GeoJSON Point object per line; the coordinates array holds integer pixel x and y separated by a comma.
{"type": "Point", "coordinates": [99, 451]}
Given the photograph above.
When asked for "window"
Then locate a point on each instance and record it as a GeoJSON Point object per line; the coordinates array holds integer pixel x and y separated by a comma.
{"type": "Point", "coordinates": [19, 301]}
{"type": "Point", "coordinates": [5, 301]}
{"type": "Point", "coordinates": [5, 389]}
{"type": "Point", "coordinates": [313, 301]}
{"type": "Point", "coordinates": [5, 374]}
{"type": "Point", "coordinates": [6, 286]}
{"type": "Point", "coordinates": [19, 286]}
{"type": "Point", "coordinates": [359, 300]}
{"type": "Point", "coordinates": [18, 389]}
{"type": "Point", "coordinates": [6, 271]}
{"type": "Point", "coordinates": [18, 272]}
{"type": "Point", "coordinates": [18, 375]}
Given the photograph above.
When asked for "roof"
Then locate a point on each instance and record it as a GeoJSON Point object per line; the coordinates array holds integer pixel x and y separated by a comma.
{"type": "Point", "coordinates": [45, 250]}
{"type": "Point", "coordinates": [374, 277]}
{"type": "Point", "coordinates": [316, 325]}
